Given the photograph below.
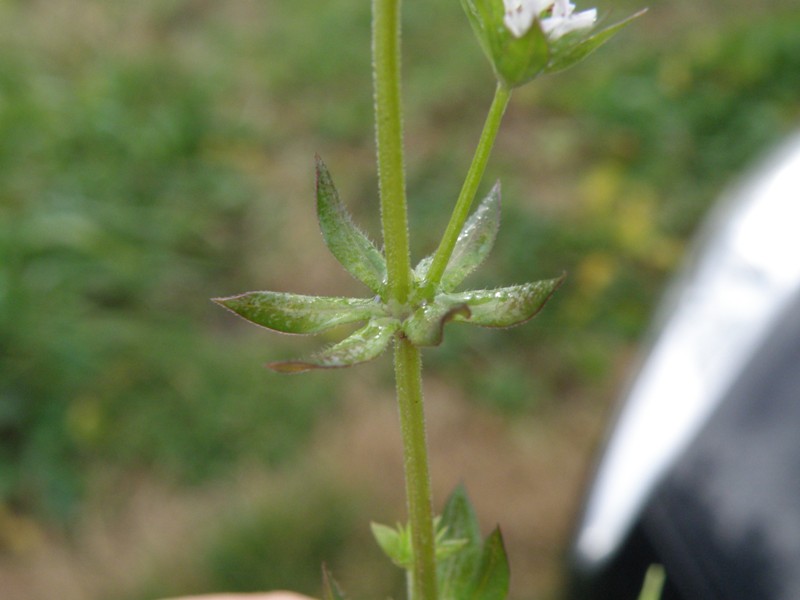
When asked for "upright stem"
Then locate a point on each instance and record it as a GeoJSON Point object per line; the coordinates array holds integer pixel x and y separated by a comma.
{"type": "Point", "coordinates": [389, 140]}
{"type": "Point", "coordinates": [408, 373]}
{"type": "Point", "coordinates": [461, 211]}
{"type": "Point", "coordinates": [394, 219]}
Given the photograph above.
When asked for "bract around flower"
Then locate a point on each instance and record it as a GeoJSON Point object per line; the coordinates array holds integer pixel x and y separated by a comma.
{"type": "Point", "coordinates": [525, 38]}
{"type": "Point", "coordinates": [516, 59]}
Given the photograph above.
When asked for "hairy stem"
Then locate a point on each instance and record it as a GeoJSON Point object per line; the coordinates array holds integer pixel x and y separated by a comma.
{"type": "Point", "coordinates": [394, 220]}
{"type": "Point", "coordinates": [408, 373]}
{"type": "Point", "coordinates": [461, 211]}
{"type": "Point", "coordinates": [389, 141]}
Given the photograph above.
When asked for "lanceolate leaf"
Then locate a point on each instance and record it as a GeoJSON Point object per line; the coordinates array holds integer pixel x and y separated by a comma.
{"type": "Point", "coordinates": [296, 313]}
{"type": "Point", "coordinates": [362, 345]}
{"type": "Point", "coordinates": [425, 327]}
{"type": "Point", "coordinates": [475, 241]}
{"type": "Point", "coordinates": [506, 306]}
{"type": "Point", "coordinates": [456, 573]}
{"type": "Point", "coordinates": [346, 242]}
{"type": "Point", "coordinates": [473, 245]}
{"type": "Point", "coordinates": [492, 578]}
{"type": "Point", "coordinates": [567, 53]}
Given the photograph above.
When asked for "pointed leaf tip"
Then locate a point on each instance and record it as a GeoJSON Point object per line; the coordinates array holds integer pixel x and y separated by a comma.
{"type": "Point", "coordinates": [567, 54]}
{"type": "Point", "coordinates": [297, 313]}
{"type": "Point", "coordinates": [493, 575]}
{"type": "Point", "coordinates": [356, 253]}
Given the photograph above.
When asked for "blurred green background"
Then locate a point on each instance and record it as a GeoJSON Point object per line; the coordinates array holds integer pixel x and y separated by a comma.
{"type": "Point", "coordinates": [158, 153]}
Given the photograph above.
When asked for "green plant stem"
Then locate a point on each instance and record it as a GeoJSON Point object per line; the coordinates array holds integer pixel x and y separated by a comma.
{"type": "Point", "coordinates": [394, 220]}
{"type": "Point", "coordinates": [389, 141]}
{"type": "Point", "coordinates": [461, 211]}
{"type": "Point", "coordinates": [408, 373]}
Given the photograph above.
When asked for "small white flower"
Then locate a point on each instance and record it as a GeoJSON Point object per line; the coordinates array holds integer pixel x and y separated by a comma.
{"type": "Point", "coordinates": [557, 17]}
{"type": "Point", "coordinates": [563, 19]}
{"type": "Point", "coordinates": [521, 13]}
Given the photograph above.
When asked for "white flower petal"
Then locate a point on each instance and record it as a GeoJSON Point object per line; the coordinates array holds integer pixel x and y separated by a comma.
{"type": "Point", "coordinates": [519, 16]}
{"type": "Point", "coordinates": [584, 19]}
{"type": "Point", "coordinates": [559, 25]}
{"type": "Point", "coordinates": [561, 17]}
{"type": "Point", "coordinates": [562, 8]}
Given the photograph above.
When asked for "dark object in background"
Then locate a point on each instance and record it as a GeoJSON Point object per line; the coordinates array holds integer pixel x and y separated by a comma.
{"type": "Point", "coordinates": [701, 472]}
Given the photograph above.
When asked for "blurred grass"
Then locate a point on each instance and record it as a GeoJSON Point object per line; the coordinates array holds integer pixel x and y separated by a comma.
{"type": "Point", "coordinates": [153, 156]}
